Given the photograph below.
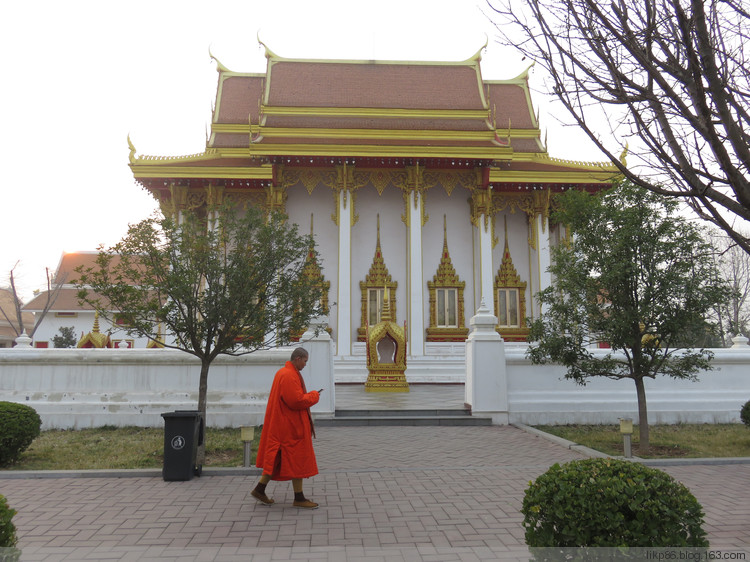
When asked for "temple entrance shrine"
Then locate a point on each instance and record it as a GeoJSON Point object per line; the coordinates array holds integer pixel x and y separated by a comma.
{"type": "Point", "coordinates": [422, 180]}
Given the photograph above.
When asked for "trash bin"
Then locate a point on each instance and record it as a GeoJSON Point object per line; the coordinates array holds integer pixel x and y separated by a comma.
{"type": "Point", "coordinates": [183, 433]}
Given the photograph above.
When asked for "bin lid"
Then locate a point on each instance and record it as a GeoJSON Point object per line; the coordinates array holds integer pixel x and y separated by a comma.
{"type": "Point", "coordinates": [182, 414]}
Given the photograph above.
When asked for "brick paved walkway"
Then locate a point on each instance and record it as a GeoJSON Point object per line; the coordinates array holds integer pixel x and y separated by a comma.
{"type": "Point", "coordinates": [386, 493]}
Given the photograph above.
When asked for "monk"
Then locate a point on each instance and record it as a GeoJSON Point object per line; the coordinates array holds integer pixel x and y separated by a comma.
{"type": "Point", "coordinates": [286, 451]}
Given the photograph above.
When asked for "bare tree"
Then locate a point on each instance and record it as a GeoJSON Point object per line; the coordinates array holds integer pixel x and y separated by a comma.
{"type": "Point", "coordinates": [733, 265]}
{"type": "Point", "coordinates": [668, 77]}
{"type": "Point", "coordinates": [53, 290]}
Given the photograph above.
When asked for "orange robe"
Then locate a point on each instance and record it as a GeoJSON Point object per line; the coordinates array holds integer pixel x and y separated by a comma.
{"type": "Point", "coordinates": [285, 450]}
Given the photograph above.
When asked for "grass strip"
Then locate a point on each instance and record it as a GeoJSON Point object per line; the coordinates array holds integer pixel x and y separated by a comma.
{"type": "Point", "coordinates": [123, 448]}
{"type": "Point", "coordinates": [667, 441]}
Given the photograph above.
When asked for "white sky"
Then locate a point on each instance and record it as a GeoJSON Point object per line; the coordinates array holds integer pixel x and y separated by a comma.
{"type": "Point", "coordinates": [81, 75]}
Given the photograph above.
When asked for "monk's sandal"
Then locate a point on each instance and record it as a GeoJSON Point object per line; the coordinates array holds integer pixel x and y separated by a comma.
{"type": "Point", "coordinates": [261, 497]}
{"type": "Point", "coordinates": [305, 503]}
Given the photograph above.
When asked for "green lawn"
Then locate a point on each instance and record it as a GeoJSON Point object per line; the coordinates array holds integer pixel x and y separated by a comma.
{"type": "Point", "coordinates": [682, 440]}
{"type": "Point", "coordinates": [127, 447]}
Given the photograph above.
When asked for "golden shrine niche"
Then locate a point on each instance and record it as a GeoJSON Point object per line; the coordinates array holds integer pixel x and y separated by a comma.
{"type": "Point", "coordinates": [510, 299]}
{"type": "Point", "coordinates": [95, 339]}
{"type": "Point", "coordinates": [386, 354]}
{"type": "Point", "coordinates": [377, 282]}
{"type": "Point", "coordinates": [446, 299]}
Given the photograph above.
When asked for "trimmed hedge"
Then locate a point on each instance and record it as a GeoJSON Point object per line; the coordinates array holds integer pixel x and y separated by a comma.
{"type": "Point", "coordinates": [8, 537]}
{"type": "Point", "coordinates": [745, 413]}
{"type": "Point", "coordinates": [610, 502]}
{"type": "Point", "coordinates": [19, 426]}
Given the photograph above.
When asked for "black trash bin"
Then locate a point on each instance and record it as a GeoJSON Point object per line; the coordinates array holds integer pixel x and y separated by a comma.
{"type": "Point", "coordinates": [183, 433]}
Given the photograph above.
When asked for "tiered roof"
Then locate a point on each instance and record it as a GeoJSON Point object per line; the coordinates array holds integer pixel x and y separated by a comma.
{"type": "Point", "coordinates": [370, 113]}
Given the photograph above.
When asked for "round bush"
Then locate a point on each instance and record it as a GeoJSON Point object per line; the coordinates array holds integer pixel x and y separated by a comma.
{"type": "Point", "coordinates": [7, 529]}
{"type": "Point", "coordinates": [19, 426]}
{"type": "Point", "coordinates": [609, 502]}
{"type": "Point", "coordinates": [745, 413]}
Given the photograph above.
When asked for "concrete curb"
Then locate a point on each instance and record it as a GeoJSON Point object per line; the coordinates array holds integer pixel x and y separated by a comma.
{"type": "Point", "coordinates": [122, 473]}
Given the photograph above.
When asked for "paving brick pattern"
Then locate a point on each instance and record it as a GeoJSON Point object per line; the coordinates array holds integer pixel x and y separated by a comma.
{"type": "Point", "coordinates": [386, 493]}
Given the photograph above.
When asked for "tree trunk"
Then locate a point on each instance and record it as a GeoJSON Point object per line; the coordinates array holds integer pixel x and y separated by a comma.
{"type": "Point", "coordinates": [202, 400]}
{"type": "Point", "coordinates": [642, 416]}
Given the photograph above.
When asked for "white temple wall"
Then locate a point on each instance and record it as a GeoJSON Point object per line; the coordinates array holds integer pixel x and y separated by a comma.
{"type": "Point", "coordinates": [76, 388]}
{"type": "Point", "coordinates": [320, 204]}
{"type": "Point", "coordinates": [540, 394]}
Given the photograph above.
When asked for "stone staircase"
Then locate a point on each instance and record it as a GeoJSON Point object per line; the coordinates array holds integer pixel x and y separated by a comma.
{"type": "Point", "coordinates": [450, 417]}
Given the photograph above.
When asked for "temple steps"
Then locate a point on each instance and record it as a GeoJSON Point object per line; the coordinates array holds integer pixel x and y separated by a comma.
{"type": "Point", "coordinates": [452, 417]}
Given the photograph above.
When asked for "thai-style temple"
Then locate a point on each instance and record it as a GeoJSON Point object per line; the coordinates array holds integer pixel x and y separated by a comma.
{"type": "Point", "coordinates": [419, 180]}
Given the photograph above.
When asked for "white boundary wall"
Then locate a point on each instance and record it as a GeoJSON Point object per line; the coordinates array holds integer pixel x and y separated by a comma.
{"type": "Point", "coordinates": [76, 388]}
{"type": "Point", "coordinates": [539, 394]}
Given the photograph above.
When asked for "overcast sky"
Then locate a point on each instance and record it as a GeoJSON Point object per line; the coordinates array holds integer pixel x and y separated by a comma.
{"type": "Point", "coordinates": [79, 76]}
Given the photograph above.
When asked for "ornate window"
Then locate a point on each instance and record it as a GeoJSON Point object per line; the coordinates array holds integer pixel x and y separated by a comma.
{"type": "Point", "coordinates": [374, 305]}
{"type": "Point", "coordinates": [507, 308]}
{"type": "Point", "coordinates": [373, 291]}
{"type": "Point", "coordinates": [510, 299]}
{"type": "Point", "coordinates": [446, 300]}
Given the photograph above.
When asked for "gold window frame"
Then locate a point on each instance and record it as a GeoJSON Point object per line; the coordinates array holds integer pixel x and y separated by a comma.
{"type": "Point", "coordinates": [446, 278]}
{"type": "Point", "coordinates": [507, 278]}
{"type": "Point", "coordinates": [377, 278]}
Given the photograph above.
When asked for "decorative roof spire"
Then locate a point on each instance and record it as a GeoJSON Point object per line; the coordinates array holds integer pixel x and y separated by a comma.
{"type": "Point", "coordinates": [385, 315]}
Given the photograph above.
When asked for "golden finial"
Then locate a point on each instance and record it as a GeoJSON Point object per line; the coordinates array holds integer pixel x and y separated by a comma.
{"type": "Point", "coordinates": [525, 74]}
{"type": "Point", "coordinates": [385, 315]}
{"type": "Point", "coordinates": [269, 53]}
{"type": "Point", "coordinates": [219, 67]}
{"type": "Point", "coordinates": [623, 155]}
{"type": "Point", "coordinates": [131, 146]}
{"type": "Point", "coordinates": [96, 323]}
{"type": "Point", "coordinates": [478, 55]}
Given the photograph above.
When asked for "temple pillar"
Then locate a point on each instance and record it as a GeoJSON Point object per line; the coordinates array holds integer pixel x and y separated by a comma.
{"type": "Point", "coordinates": [481, 216]}
{"type": "Point", "coordinates": [415, 301]}
{"type": "Point", "coordinates": [344, 300]}
{"type": "Point", "coordinates": [541, 225]}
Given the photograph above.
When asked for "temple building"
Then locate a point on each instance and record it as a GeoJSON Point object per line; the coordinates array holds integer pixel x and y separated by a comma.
{"type": "Point", "coordinates": [422, 183]}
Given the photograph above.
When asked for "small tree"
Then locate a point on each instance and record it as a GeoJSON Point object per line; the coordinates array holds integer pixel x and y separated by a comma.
{"type": "Point", "coordinates": [733, 263]}
{"type": "Point", "coordinates": [18, 327]}
{"type": "Point", "coordinates": [220, 282]}
{"type": "Point", "coordinates": [66, 337]}
{"type": "Point", "coordinates": [635, 276]}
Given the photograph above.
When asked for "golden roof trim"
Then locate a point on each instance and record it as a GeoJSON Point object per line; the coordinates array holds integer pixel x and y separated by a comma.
{"type": "Point", "coordinates": [381, 151]}
{"type": "Point", "coordinates": [364, 134]}
{"type": "Point", "coordinates": [557, 176]}
{"type": "Point", "coordinates": [375, 112]}
{"type": "Point", "coordinates": [227, 172]}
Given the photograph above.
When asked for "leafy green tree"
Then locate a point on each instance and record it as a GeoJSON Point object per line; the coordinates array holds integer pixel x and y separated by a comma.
{"type": "Point", "coordinates": [636, 276]}
{"type": "Point", "coordinates": [66, 337]}
{"type": "Point", "coordinates": [219, 281]}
